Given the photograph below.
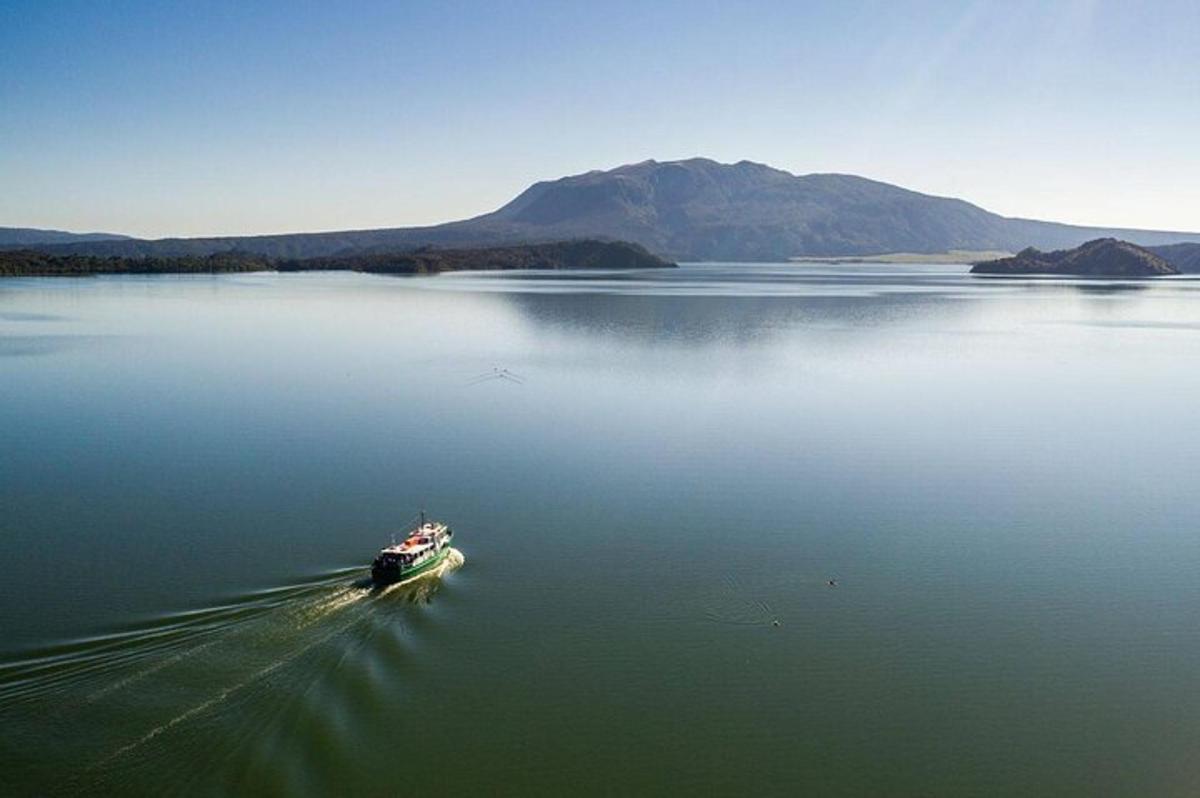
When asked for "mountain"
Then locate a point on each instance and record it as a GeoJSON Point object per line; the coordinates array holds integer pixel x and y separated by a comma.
{"type": "Point", "coordinates": [691, 210]}
{"type": "Point", "coordinates": [1185, 257]}
{"type": "Point", "coordinates": [18, 237]}
{"type": "Point", "coordinates": [1104, 257]}
{"type": "Point", "coordinates": [700, 209]}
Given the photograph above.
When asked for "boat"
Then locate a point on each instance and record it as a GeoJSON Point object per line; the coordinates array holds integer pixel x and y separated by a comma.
{"type": "Point", "coordinates": [423, 549]}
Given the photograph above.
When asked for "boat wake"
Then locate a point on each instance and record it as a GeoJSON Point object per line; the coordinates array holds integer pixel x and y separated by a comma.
{"type": "Point", "coordinates": [219, 697]}
{"type": "Point", "coordinates": [162, 639]}
{"type": "Point", "coordinates": [164, 684]}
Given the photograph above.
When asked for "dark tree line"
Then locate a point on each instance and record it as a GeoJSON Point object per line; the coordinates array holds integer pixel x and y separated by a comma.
{"type": "Point", "coordinates": [31, 262]}
{"type": "Point", "coordinates": [582, 254]}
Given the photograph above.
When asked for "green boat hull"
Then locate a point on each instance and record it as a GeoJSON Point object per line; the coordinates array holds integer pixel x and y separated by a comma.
{"type": "Point", "coordinates": [388, 576]}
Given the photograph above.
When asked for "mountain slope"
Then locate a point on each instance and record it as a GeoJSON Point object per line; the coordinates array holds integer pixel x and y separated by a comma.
{"type": "Point", "coordinates": [1185, 257]}
{"type": "Point", "coordinates": [17, 237]}
{"type": "Point", "coordinates": [693, 210]}
{"type": "Point", "coordinates": [700, 209]}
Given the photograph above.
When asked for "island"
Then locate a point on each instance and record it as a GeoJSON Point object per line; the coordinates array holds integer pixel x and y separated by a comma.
{"type": "Point", "coordinates": [1104, 257]}
{"type": "Point", "coordinates": [576, 254]}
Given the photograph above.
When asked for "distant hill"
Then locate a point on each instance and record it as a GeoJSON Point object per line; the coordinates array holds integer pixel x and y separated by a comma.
{"type": "Point", "coordinates": [1185, 257]}
{"type": "Point", "coordinates": [691, 210]}
{"type": "Point", "coordinates": [17, 237]}
{"type": "Point", "coordinates": [557, 255]}
{"type": "Point", "coordinates": [1104, 257]}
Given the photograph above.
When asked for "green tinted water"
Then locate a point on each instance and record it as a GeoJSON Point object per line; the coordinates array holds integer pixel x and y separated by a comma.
{"type": "Point", "coordinates": [195, 473]}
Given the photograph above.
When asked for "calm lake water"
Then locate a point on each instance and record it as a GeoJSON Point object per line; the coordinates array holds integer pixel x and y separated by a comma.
{"type": "Point", "coordinates": [999, 475]}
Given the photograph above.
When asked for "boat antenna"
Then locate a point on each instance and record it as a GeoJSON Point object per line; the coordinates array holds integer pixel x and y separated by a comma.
{"type": "Point", "coordinates": [422, 516]}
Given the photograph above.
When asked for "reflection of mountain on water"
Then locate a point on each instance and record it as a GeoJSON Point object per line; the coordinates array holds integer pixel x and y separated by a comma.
{"type": "Point", "coordinates": [1087, 287]}
{"type": "Point", "coordinates": [704, 319]}
{"type": "Point", "coordinates": [744, 306]}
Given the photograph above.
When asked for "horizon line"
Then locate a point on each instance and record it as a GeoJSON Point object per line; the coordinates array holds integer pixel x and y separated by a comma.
{"type": "Point", "coordinates": [417, 226]}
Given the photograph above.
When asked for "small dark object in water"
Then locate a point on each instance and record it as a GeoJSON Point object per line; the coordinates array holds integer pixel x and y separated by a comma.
{"type": "Point", "coordinates": [775, 622]}
{"type": "Point", "coordinates": [832, 583]}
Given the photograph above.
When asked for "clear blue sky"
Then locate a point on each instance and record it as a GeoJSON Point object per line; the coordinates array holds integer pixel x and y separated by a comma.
{"type": "Point", "coordinates": [164, 118]}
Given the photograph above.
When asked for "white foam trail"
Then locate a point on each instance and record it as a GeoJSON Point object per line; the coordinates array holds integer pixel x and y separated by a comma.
{"type": "Point", "coordinates": [342, 598]}
{"type": "Point", "coordinates": [221, 696]}
{"type": "Point", "coordinates": [308, 616]}
{"type": "Point", "coordinates": [137, 677]}
{"type": "Point", "coordinates": [45, 672]}
{"type": "Point", "coordinates": [327, 606]}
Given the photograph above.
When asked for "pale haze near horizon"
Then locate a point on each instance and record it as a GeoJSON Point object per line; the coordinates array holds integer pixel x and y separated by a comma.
{"type": "Point", "coordinates": [155, 121]}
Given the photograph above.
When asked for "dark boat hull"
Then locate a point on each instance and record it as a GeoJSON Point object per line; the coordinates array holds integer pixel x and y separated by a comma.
{"type": "Point", "coordinates": [385, 575]}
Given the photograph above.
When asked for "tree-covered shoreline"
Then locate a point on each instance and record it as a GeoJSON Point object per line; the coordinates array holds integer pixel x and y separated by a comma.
{"type": "Point", "coordinates": [581, 254]}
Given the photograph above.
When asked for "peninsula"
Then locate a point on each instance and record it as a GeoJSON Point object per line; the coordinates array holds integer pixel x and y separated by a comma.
{"type": "Point", "coordinates": [581, 254]}
{"type": "Point", "coordinates": [1104, 257]}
